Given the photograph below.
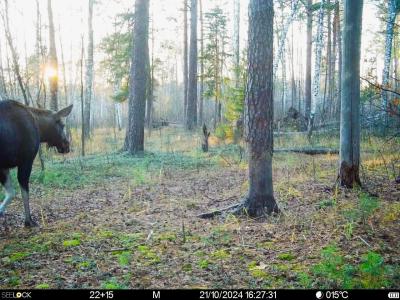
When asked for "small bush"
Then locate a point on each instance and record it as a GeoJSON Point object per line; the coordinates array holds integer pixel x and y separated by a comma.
{"type": "Point", "coordinates": [373, 272]}
{"type": "Point", "coordinates": [332, 271]}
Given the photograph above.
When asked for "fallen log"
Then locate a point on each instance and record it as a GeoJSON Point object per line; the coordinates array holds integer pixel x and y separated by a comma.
{"type": "Point", "coordinates": [308, 151]}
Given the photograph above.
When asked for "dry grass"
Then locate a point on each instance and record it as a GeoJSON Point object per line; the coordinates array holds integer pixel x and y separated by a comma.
{"type": "Point", "coordinates": [139, 230]}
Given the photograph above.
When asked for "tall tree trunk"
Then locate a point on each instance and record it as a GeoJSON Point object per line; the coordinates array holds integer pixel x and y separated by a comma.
{"type": "Point", "coordinates": [259, 108]}
{"type": "Point", "coordinates": [201, 100]}
{"type": "Point", "coordinates": [327, 87]}
{"type": "Point", "coordinates": [191, 120]}
{"type": "Point", "coordinates": [293, 80]}
{"type": "Point", "coordinates": [350, 108]}
{"type": "Point", "coordinates": [339, 40]}
{"type": "Point", "coordinates": [150, 84]}
{"type": "Point", "coordinates": [53, 62]}
{"type": "Point", "coordinates": [285, 29]}
{"type": "Point", "coordinates": [236, 41]}
{"type": "Point", "coordinates": [38, 54]}
{"type": "Point", "coordinates": [82, 99]}
{"type": "Point", "coordinates": [3, 86]}
{"type": "Point", "coordinates": [134, 141]}
{"type": "Point", "coordinates": [14, 54]}
{"type": "Point", "coordinates": [308, 63]}
{"type": "Point", "coordinates": [396, 49]}
{"type": "Point", "coordinates": [388, 56]}
{"type": "Point", "coordinates": [89, 72]}
{"type": "Point", "coordinates": [317, 73]}
{"type": "Point", "coordinates": [332, 84]}
{"type": "Point", "coordinates": [185, 58]}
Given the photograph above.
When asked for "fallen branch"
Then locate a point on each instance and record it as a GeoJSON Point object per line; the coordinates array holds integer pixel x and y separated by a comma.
{"type": "Point", "coordinates": [219, 212]}
{"type": "Point", "coordinates": [308, 151]}
{"type": "Point", "coordinates": [117, 250]}
{"type": "Point", "coordinates": [238, 209]}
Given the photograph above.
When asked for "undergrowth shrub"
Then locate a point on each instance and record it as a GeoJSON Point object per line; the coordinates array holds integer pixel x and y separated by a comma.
{"type": "Point", "coordinates": [336, 271]}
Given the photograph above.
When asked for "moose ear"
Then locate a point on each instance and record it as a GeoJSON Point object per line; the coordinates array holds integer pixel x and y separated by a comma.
{"type": "Point", "coordinates": [65, 111]}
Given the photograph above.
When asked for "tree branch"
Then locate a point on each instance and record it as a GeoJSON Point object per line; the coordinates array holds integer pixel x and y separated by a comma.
{"type": "Point", "coordinates": [379, 86]}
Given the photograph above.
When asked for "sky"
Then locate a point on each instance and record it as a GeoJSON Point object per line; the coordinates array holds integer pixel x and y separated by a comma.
{"type": "Point", "coordinates": [70, 19]}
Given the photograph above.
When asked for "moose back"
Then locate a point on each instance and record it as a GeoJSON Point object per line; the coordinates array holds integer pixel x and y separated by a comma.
{"type": "Point", "coordinates": [22, 129]}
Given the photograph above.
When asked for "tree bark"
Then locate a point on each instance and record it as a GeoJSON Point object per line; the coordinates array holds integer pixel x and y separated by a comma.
{"type": "Point", "coordinates": [308, 63]}
{"type": "Point", "coordinates": [259, 114]}
{"type": "Point", "coordinates": [89, 72]}
{"type": "Point", "coordinates": [317, 74]}
{"type": "Point", "coordinates": [82, 100]}
{"type": "Point", "coordinates": [3, 86]}
{"type": "Point", "coordinates": [285, 29]}
{"type": "Point", "coordinates": [52, 63]}
{"type": "Point", "coordinates": [339, 40]}
{"type": "Point", "coordinates": [236, 41]}
{"type": "Point", "coordinates": [185, 58]}
{"type": "Point", "coordinates": [328, 81]}
{"type": "Point", "coordinates": [201, 96]}
{"type": "Point", "coordinates": [332, 84]}
{"type": "Point", "coordinates": [350, 108]}
{"type": "Point", "coordinates": [388, 56]}
{"type": "Point", "coordinates": [259, 108]}
{"type": "Point", "coordinates": [191, 116]}
{"type": "Point", "coordinates": [134, 141]}
{"type": "Point", "coordinates": [150, 83]}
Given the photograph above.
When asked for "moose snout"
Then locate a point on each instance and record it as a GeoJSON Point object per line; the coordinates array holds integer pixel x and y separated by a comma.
{"type": "Point", "coordinates": [64, 147]}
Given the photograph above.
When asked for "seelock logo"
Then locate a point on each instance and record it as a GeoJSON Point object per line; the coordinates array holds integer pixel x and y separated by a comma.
{"type": "Point", "coordinates": [16, 295]}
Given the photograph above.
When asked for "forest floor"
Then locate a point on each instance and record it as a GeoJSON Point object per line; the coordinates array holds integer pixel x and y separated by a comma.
{"type": "Point", "coordinates": [115, 221]}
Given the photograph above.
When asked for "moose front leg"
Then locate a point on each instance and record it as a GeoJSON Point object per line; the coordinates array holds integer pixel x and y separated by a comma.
{"type": "Point", "coordinates": [24, 172]}
{"type": "Point", "coordinates": [5, 180]}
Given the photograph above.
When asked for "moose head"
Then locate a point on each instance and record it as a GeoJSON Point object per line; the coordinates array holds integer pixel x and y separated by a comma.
{"type": "Point", "coordinates": [51, 127]}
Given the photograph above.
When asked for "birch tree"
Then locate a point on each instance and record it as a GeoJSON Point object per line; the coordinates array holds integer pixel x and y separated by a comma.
{"type": "Point", "coordinates": [350, 106]}
{"type": "Point", "coordinates": [236, 41]}
{"type": "Point", "coordinates": [285, 29]}
{"type": "Point", "coordinates": [89, 71]}
{"type": "Point", "coordinates": [317, 73]}
{"type": "Point", "coordinates": [185, 57]}
{"type": "Point", "coordinates": [392, 12]}
{"type": "Point", "coordinates": [308, 95]}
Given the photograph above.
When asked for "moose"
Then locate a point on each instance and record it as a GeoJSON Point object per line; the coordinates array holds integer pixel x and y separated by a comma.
{"type": "Point", "coordinates": [22, 129]}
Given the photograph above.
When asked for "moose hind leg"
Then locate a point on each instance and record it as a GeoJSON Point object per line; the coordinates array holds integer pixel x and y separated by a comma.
{"type": "Point", "coordinates": [5, 180]}
{"type": "Point", "coordinates": [24, 172]}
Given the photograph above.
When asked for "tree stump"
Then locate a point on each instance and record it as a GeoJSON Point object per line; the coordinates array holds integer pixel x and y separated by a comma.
{"type": "Point", "coordinates": [206, 135]}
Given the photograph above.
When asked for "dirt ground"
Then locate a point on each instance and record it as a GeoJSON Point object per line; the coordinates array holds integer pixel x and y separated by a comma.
{"type": "Point", "coordinates": [119, 233]}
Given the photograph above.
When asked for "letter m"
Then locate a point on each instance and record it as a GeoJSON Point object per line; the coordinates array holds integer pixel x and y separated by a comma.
{"type": "Point", "coordinates": [156, 295]}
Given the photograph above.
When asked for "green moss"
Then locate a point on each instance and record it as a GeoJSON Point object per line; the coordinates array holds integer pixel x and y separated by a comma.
{"type": "Point", "coordinates": [17, 256]}
{"type": "Point", "coordinates": [286, 256]}
{"type": "Point", "coordinates": [167, 236]}
{"type": "Point", "coordinates": [124, 258]}
{"type": "Point", "coordinates": [204, 263]}
{"type": "Point", "coordinates": [256, 271]}
{"type": "Point", "coordinates": [150, 255]}
{"type": "Point", "coordinates": [71, 243]}
{"type": "Point", "coordinates": [42, 286]}
{"type": "Point", "coordinates": [220, 254]}
{"type": "Point", "coordinates": [112, 284]}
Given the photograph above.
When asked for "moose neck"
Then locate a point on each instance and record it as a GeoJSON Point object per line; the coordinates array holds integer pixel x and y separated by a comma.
{"type": "Point", "coordinates": [43, 119]}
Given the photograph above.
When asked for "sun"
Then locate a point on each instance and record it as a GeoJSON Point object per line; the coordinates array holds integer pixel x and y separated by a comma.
{"type": "Point", "coordinates": [50, 72]}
